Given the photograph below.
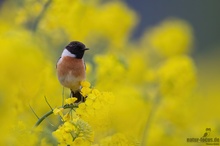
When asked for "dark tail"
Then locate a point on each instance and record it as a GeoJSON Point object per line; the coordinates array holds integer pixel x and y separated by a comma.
{"type": "Point", "coordinates": [78, 95]}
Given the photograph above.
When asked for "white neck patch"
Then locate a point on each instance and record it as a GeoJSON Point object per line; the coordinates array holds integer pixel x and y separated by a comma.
{"type": "Point", "coordinates": [67, 53]}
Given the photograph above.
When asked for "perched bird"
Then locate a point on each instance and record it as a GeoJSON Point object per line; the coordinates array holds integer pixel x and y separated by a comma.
{"type": "Point", "coordinates": [71, 68]}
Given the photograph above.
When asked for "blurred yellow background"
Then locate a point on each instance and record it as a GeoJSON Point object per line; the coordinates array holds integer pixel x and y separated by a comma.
{"type": "Point", "coordinates": [162, 95]}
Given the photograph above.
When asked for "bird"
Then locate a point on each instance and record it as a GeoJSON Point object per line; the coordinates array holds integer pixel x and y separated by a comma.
{"type": "Point", "coordinates": [207, 133]}
{"type": "Point", "coordinates": [71, 68]}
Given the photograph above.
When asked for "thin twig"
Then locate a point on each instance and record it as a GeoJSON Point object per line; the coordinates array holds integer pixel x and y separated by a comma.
{"type": "Point", "coordinates": [34, 112]}
{"type": "Point", "coordinates": [71, 106]}
{"type": "Point", "coordinates": [43, 117]}
{"type": "Point", "coordinates": [50, 108]}
{"type": "Point", "coordinates": [48, 102]}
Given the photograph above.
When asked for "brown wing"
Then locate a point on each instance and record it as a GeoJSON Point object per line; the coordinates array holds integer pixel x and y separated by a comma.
{"type": "Point", "coordinates": [57, 61]}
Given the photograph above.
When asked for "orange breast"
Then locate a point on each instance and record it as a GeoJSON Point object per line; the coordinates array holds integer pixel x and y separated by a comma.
{"type": "Point", "coordinates": [71, 72]}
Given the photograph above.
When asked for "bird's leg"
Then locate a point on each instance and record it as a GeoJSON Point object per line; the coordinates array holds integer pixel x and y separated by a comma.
{"type": "Point", "coordinates": [71, 94]}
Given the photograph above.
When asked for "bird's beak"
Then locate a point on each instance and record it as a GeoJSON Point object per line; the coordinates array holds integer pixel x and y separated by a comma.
{"type": "Point", "coordinates": [86, 49]}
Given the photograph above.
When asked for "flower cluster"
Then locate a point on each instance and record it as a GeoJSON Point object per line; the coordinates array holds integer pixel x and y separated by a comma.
{"type": "Point", "coordinates": [79, 123]}
{"type": "Point", "coordinates": [96, 109]}
{"type": "Point", "coordinates": [172, 37]}
{"type": "Point", "coordinates": [175, 74]}
{"type": "Point", "coordinates": [74, 132]}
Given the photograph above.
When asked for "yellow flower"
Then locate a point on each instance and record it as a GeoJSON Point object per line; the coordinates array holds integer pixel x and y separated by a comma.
{"type": "Point", "coordinates": [67, 117]}
{"type": "Point", "coordinates": [58, 134]}
{"type": "Point", "coordinates": [57, 111]}
{"type": "Point", "coordinates": [89, 102]}
{"type": "Point", "coordinates": [92, 96]}
{"type": "Point", "coordinates": [85, 88]}
{"type": "Point", "coordinates": [171, 37]}
{"type": "Point", "coordinates": [97, 105]}
{"type": "Point", "coordinates": [82, 106]}
{"type": "Point", "coordinates": [81, 142]}
{"type": "Point", "coordinates": [85, 91]}
{"type": "Point", "coordinates": [85, 84]}
{"type": "Point", "coordinates": [68, 127]}
{"type": "Point", "coordinates": [96, 92]}
{"type": "Point", "coordinates": [73, 132]}
{"type": "Point", "coordinates": [70, 100]}
{"type": "Point", "coordinates": [177, 76]}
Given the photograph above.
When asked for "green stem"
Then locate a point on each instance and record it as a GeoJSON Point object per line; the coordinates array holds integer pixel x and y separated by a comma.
{"type": "Point", "coordinates": [40, 16]}
{"type": "Point", "coordinates": [71, 106]}
{"type": "Point", "coordinates": [149, 120]}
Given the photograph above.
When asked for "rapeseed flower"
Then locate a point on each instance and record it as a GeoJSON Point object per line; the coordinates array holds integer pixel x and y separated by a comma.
{"type": "Point", "coordinates": [171, 37]}
{"type": "Point", "coordinates": [70, 100]}
{"type": "Point", "coordinates": [175, 74]}
{"type": "Point", "coordinates": [78, 123]}
{"type": "Point", "coordinates": [71, 133]}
